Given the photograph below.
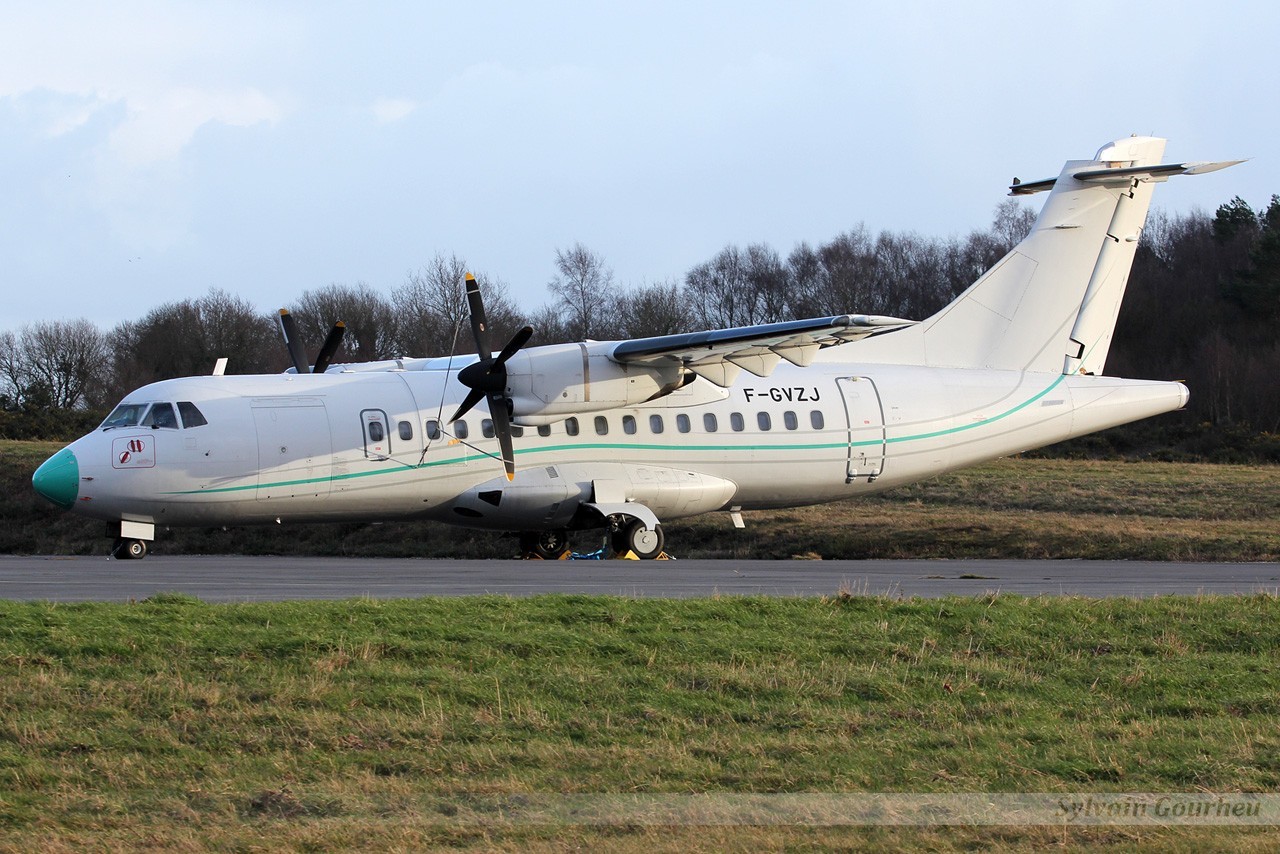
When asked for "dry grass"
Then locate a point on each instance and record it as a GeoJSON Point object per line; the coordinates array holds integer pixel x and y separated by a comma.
{"type": "Point", "coordinates": [1014, 508]}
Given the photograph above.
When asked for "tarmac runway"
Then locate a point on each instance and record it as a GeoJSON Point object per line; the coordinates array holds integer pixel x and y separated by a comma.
{"type": "Point", "coordinates": [251, 579]}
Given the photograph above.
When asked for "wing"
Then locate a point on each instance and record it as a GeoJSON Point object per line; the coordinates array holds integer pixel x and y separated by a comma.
{"type": "Point", "coordinates": [720, 354]}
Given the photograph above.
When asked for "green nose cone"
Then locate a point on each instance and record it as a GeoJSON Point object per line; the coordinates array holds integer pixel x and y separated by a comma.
{"type": "Point", "coordinates": [58, 479]}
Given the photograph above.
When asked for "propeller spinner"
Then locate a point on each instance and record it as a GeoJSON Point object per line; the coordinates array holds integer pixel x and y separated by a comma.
{"type": "Point", "coordinates": [487, 378]}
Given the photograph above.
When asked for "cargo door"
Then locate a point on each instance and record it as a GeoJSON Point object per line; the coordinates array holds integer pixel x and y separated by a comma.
{"type": "Point", "coordinates": [865, 416]}
{"type": "Point", "coordinates": [295, 451]}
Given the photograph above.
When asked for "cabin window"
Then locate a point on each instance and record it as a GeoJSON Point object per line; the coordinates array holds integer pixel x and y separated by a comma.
{"type": "Point", "coordinates": [486, 428]}
{"type": "Point", "coordinates": [191, 416]}
{"type": "Point", "coordinates": [763, 421]}
{"type": "Point", "coordinates": [376, 433]}
{"type": "Point", "coordinates": [682, 423]}
{"type": "Point", "coordinates": [433, 429]}
{"type": "Point", "coordinates": [516, 431]}
{"type": "Point", "coordinates": [736, 422]}
{"type": "Point", "coordinates": [571, 426]}
{"type": "Point", "coordinates": [655, 424]}
{"type": "Point", "coordinates": [602, 426]}
{"type": "Point", "coordinates": [709, 422]}
{"type": "Point", "coordinates": [815, 419]}
{"type": "Point", "coordinates": [161, 415]}
{"type": "Point", "coordinates": [406, 430]}
{"type": "Point", "coordinates": [629, 425]}
{"type": "Point", "coordinates": [789, 419]}
{"type": "Point", "coordinates": [460, 429]}
{"type": "Point", "coordinates": [544, 430]}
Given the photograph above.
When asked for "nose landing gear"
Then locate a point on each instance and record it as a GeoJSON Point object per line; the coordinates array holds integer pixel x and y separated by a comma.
{"type": "Point", "coordinates": [126, 549]}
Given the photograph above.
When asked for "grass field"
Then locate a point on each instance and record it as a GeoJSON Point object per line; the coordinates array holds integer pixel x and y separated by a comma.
{"type": "Point", "coordinates": [178, 725]}
{"type": "Point", "coordinates": [173, 723]}
{"type": "Point", "coordinates": [1012, 508]}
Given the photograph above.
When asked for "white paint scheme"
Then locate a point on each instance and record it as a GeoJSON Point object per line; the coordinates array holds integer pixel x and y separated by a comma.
{"type": "Point", "coordinates": [1010, 365]}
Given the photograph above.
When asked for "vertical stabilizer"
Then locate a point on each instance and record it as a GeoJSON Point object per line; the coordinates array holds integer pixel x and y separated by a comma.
{"type": "Point", "coordinates": [1050, 305]}
{"type": "Point", "coordinates": [1090, 338]}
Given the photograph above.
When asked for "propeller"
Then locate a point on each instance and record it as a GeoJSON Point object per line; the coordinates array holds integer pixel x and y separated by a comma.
{"type": "Point", "coordinates": [487, 378]}
{"type": "Point", "coordinates": [332, 342]}
{"type": "Point", "coordinates": [289, 328]}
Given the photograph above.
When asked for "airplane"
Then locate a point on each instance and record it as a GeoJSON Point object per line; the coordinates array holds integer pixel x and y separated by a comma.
{"type": "Point", "coordinates": [620, 435]}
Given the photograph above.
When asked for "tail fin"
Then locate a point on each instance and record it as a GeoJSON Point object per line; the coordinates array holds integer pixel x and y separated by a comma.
{"type": "Point", "coordinates": [1051, 303]}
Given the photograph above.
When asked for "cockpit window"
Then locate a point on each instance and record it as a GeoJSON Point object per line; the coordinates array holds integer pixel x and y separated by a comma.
{"type": "Point", "coordinates": [191, 416]}
{"type": "Point", "coordinates": [125, 415]}
{"type": "Point", "coordinates": [161, 415]}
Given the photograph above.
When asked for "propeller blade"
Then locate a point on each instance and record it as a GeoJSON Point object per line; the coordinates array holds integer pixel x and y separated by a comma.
{"type": "Point", "coordinates": [502, 430]}
{"type": "Point", "coordinates": [517, 341]}
{"type": "Point", "coordinates": [473, 397]}
{"type": "Point", "coordinates": [330, 346]}
{"type": "Point", "coordinates": [487, 376]}
{"type": "Point", "coordinates": [479, 323]}
{"type": "Point", "coordinates": [290, 331]}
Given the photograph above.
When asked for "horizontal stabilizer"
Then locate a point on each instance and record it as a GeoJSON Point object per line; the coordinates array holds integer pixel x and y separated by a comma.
{"type": "Point", "coordinates": [1123, 175]}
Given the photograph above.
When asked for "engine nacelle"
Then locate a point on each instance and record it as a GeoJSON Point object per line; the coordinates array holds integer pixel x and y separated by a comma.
{"type": "Point", "coordinates": [552, 382]}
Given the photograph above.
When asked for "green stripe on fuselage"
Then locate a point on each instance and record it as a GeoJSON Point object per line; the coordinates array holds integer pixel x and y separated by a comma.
{"type": "Point", "coordinates": [625, 446]}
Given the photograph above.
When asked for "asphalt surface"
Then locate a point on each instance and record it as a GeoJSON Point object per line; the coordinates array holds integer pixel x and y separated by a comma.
{"type": "Point", "coordinates": [250, 579]}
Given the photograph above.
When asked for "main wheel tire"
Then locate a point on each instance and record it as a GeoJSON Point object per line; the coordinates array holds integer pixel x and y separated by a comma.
{"type": "Point", "coordinates": [637, 538]}
{"type": "Point", "coordinates": [548, 545]}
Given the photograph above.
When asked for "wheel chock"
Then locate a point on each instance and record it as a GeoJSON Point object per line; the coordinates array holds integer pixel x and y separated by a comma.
{"type": "Point", "coordinates": [564, 555]}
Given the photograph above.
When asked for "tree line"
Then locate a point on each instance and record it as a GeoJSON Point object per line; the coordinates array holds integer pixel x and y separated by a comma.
{"type": "Point", "coordinates": [1203, 306]}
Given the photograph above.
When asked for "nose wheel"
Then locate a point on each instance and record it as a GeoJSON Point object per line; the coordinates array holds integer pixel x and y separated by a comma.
{"type": "Point", "coordinates": [126, 549]}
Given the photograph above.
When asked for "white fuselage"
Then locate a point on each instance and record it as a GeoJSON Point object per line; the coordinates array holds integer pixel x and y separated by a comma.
{"type": "Point", "coordinates": [359, 446]}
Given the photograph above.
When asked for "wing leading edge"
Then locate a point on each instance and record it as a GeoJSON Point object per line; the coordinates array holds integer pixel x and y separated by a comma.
{"type": "Point", "coordinates": [719, 355]}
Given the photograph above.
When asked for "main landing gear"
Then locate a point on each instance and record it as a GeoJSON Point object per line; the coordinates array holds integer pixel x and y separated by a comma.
{"type": "Point", "coordinates": [627, 538]}
{"type": "Point", "coordinates": [632, 536]}
{"type": "Point", "coordinates": [545, 545]}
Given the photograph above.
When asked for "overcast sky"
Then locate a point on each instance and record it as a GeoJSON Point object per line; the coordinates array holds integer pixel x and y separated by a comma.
{"type": "Point", "coordinates": [152, 151]}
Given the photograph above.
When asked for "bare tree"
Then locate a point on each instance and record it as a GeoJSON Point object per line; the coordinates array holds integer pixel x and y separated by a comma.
{"type": "Point", "coordinates": [186, 338]}
{"type": "Point", "coordinates": [433, 317]}
{"type": "Point", "coordinates": [12, 374]}
{"type": "Point", "coordinates": [370, 320]}
{"type": "Point", "coordinates": [658, 309]}
{"type": "Point", "coordinates": [836, 277]}
{"type": "Point", "coordinates": [61, 364]}
{"type": "Point", "coordinates": [550, 327]}
{"type": "Point", "coordinates": [719, 293]}
{"type": "Point", "coordinates": [1011, 222]}
{"type": "Point", "coordinates": [584, 291]}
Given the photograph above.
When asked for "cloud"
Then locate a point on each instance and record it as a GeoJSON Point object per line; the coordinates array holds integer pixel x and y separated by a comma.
{"type": "Point", "coordinates": [158, 125]}
{"type": "Point", "coordinates": [387, 110]}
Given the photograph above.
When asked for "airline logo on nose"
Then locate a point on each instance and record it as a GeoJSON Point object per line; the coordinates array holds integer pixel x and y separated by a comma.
{"type": "Point", "coordinates": [133, 452]}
